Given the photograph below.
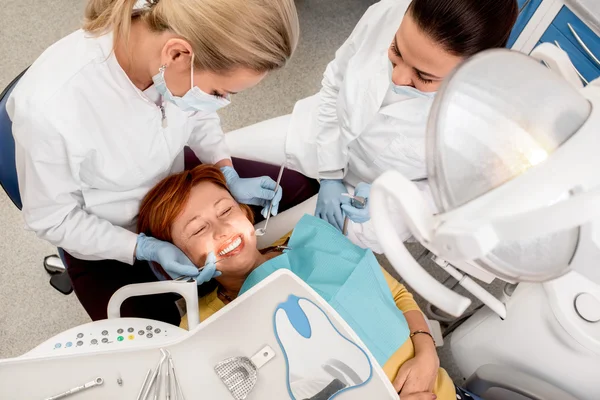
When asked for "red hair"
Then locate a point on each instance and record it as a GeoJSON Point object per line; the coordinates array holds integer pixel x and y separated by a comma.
{"type": "Point", "coordinates": [165, 202]}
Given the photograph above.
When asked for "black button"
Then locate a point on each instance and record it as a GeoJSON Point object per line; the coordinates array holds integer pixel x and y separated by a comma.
{"type": "Point", "coordinates": [149, 328]}
{"type": "Point", "coordinates": [149, 335]}
{"type": "Point", "coordinates": [94, 341]}
{"type": "Point", "coordinates": [141, 333]}
{"type": "Point", "coordinates": [79, 343]}
{"type": "Point", "coordinates": [130, 330]}
{"type": "Point", "coordinates": [104, 333]}
{"type": "Point", "coordinates": [157, 331]}
{"type": "Point", "coordinates": [119, 331]}
{"type": "Point", "coordinates": [79, 335]}
{"type": "Point", "coordinates": [104, 340]}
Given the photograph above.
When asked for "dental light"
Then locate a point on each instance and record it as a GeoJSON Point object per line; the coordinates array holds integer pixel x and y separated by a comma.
{"type": "Point", "coordinates": [512, 156]}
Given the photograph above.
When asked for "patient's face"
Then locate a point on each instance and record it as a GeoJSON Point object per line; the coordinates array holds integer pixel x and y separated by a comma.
{"type": "Point", "coordinates": [213, 221]}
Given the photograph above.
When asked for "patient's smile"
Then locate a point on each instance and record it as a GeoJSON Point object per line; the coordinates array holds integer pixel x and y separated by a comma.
{"type": "Point", "coordinates": [232, 247]}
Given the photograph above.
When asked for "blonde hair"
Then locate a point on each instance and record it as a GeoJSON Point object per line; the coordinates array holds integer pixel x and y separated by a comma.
{"type": "Point", "coordinates": [224, 34]}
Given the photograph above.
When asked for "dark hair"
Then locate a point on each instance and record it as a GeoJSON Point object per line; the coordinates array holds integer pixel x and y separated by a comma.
{"type": "Point", "coordinates": [466, 27]}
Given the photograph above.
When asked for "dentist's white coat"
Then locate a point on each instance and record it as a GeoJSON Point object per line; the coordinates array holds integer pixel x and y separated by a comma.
{"type": "Point", "coordinates": [89, 146]}
{"type": "Point", "coordinates": [356, 127]}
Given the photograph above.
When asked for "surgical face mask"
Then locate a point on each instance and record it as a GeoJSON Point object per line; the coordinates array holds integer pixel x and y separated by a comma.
{"type": "Point", "coordinates": [194, 99]}
{"type": "Point", "coordinates": [408, 91]}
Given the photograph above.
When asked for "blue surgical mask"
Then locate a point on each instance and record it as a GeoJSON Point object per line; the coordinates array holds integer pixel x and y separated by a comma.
{"type": "Point", "coordinates": [194, 99]}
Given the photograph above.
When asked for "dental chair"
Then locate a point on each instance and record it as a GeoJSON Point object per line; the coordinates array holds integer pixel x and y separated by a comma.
{"type": "Point", "coordinates": [8, 180]}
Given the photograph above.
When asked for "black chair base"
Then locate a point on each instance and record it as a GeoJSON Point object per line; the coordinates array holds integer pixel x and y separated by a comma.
{"type": "Point", "coordinates": [62, 283]}
{"type": "Point", "coordinates": [59, 279]}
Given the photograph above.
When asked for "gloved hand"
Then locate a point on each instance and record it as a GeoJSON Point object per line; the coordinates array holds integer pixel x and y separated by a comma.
{"type": "Point", "coordinates": [329, 202]}
{"type": "Point", "coordinates": [173, 260]}
{"type": "Point", "coordinates": [360, 216]}
{"type": "Point", "coordinates": [255, 191]}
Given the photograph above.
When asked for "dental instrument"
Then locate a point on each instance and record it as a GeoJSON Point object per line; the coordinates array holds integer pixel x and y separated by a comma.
{"type": "Point", "coordinates": [240, 374]}
{"type": "Point", "coordinates": [262, 231]}
{"type": "Point", "coordinates": [139, 396]}
{"type": "Point", "coordinates": [178, 391]}
{"type": "Point", "coordinates": [168, 395]}
{"type": "Point", "coordinates": [357, 202]}
{"type": "Point", "coordinates": [187, 278]}
{"type": "Point", "coordinates": [96, 382]}
{"type": "Point", "coordinates": [163, 357]}
{"type": "Point", "coordinates": [159, 379]}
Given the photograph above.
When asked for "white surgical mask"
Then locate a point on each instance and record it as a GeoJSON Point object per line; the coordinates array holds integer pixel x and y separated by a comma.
{"type": "Point", "coordinates": [408, 91]}
{"type": "Point", "coordinates": [194, 99]}
{"type": "Point", "coordinates": [411, 91]}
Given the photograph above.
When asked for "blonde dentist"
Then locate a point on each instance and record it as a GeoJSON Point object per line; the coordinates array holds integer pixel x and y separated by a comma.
{"type": "Point", "coordinates": [105, 113]}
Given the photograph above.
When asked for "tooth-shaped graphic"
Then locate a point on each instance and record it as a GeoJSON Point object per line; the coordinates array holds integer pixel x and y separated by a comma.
{"type": "Point", "coordinates": [321, 362]}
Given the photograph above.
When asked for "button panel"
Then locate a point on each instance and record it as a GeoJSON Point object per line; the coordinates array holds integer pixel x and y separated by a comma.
{"type": "Point", "coordinates": [97, 338]}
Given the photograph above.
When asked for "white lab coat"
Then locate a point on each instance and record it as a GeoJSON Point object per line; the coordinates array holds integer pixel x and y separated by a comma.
{"type": "Point", "coordinates": [89, 146]}
{"type": "Point", "coordinates": [355, 128]}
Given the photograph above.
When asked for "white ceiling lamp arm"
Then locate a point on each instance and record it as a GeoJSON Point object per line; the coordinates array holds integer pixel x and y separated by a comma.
{"type": "Point", "coordinates": [462, 240]}
{"type": "Point", "coordinates": [392, 191]}
{"type": "Point", "coordinates": [558, 60]}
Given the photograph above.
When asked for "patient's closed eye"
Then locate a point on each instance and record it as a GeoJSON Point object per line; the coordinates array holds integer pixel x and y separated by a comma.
{"type": "Point", "coordinates": [199, 230]}
{"type": "Point", "coordinates": [226, 212]}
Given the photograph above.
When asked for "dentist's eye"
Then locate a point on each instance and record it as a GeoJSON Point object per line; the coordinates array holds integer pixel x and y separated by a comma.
{"type": "Point", "coordinates": [218, 95]}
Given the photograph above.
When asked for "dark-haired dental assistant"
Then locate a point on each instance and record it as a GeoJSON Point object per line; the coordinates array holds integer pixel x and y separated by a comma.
{"type": "Point", "coordinates": [371, 113]}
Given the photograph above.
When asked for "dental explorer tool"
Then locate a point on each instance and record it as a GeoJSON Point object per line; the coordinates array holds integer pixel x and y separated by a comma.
{"type": "Point", "coordinates": [139, 397]}
{"type": "Point", "coordinates": [262, 231]}
{"type": "Point", "coordinates": [155, 374]}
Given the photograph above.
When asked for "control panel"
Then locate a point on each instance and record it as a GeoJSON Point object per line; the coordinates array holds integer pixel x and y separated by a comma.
{"type": "Point", "coordinates": [109, 334]}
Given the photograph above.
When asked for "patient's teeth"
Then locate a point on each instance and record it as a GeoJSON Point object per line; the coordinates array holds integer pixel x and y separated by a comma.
{"type": "Point", "coordinates": [231, 247]}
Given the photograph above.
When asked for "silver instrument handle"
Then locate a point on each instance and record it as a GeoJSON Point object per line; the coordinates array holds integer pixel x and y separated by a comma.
{"type": "Point", "coordinates": [582, 44]}
{"type": "Point", "coordinates": [578, 73]}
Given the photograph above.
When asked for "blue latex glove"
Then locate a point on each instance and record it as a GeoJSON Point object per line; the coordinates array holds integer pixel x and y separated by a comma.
{"type": "Point", "coordinates": [329, 202]}
{"type": "Point", "coordinates": [255, 191]}
{"type": "Point", "coordinates": [173, 260]}
{"type": "Point", "coordinates": [360, 216]}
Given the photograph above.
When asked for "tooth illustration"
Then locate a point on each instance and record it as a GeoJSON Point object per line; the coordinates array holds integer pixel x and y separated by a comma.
{"type": "Point", "coordinates": [321, 362]}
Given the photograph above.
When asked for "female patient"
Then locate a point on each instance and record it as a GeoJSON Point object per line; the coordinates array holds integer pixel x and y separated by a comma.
{"type": "Point", "coordinates": [195, 211]}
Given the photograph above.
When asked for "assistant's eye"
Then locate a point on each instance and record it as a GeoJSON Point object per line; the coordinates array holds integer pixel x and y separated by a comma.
{"type": "Point", "coordinates": [395, 50]}
{"type": "Point", "coordinates": [226, 212]}
{"type": "Point", "coordinates": [426, 81]}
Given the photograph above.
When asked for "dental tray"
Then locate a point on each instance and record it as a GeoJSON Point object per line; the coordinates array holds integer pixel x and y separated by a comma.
{"type": "Point", "coordinates": [240, 329]}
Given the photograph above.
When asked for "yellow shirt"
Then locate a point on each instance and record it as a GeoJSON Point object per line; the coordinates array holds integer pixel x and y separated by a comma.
{"type": "Point", "coordinates": [444, 387]}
